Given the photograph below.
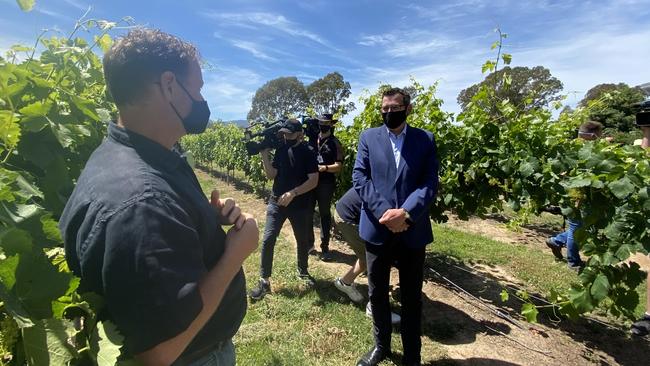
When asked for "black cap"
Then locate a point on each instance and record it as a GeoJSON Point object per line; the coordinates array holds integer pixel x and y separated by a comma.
{"type": "Point", "coordinates": [291, 126]}
{"type": "Point", "coordinates": [327, 117]}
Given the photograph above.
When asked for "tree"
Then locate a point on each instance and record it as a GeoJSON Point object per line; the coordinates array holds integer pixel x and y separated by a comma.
{"type": "Point", "coordinates": [279, 97]}
{"type": "Point", "coordinates": [611, 105]}
{"type": "Point", "coordinates": [329, 93]}
{"type": "Point", "coordinates": [526, 88]}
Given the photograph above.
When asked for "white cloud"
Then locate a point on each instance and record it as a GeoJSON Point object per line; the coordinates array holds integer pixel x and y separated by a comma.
{"type": "Point", "coordinates": [77, 4]}
{"type": "Point", "coordinates": [253, 48]}
{"type": "Point", "coordinates": [39, 9]}
{"type": "Point", "coordinates": [378, 39]}
{"type": "Point", "coordinates": [408, 43]}
{"type": "Point", "coordinates": [580, 61]}
{"type": "Point", "coordinates": [275, 21]}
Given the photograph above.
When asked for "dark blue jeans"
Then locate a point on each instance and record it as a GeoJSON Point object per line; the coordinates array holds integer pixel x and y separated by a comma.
{"type": "Point", "coordinates": [566, 239]}
{"type": "Point", "coordinates": [225, 356]}
{"type": "Point", "coordinates": [276, 215]}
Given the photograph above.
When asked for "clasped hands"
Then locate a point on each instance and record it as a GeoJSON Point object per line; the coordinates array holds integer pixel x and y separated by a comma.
{"type": "Point", "coordinates": [395, 220]}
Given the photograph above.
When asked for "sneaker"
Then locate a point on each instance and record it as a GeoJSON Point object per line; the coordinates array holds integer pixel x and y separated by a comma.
{"type": "Point", "coordinates": [641, 327]}
{"type": "Point", "coordinates": [395, 318]}
{"type": "Point", "coordinates": [263, 288]}
{"type": "Point", "coordinates": [350, 290]}
{"type": "Point", "coordinates": [312, 251]}
{"type": "Point", "coordinates": [556, 249]}
{"type": "Point", "coordinates": [307, 279]}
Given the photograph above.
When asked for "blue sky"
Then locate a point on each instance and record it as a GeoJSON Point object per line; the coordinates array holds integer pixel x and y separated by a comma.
{"type": "Point", "coordinates": [249, 42]}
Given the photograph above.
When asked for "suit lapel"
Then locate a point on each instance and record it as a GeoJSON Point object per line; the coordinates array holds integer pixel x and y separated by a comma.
{"type": "Point", "coordinates": [384, 143]}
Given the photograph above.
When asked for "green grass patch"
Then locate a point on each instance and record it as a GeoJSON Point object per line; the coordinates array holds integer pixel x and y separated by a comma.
{"type": "Point", "coordinates": [534, 267]}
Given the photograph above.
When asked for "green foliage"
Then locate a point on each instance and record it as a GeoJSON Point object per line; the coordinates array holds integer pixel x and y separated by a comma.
{"type": "Point", "coordinates": [26, 5]}
{"type": "Point", "coordinates": [523, 87]}
{"type": "Point", "coordinates": [284, 96]}
{"type": "Point", "coordinates": [329, 93]}
{"type": "Point", "coordinates": [612, 105]}
{"type": "Point", "coordinates": [53, 114]}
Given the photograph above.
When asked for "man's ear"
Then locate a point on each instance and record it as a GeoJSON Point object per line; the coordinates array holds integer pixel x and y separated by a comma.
{"type": "Point", "coordinates": [167, 84]}
{"type": "Point", "coordinates": [409, 109]}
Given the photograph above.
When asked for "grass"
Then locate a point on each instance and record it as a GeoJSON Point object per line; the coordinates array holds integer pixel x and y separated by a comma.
{"type": "Point", "coordinates": [536, 268]}
{"type": "Point", "coordinates": [296, 325]}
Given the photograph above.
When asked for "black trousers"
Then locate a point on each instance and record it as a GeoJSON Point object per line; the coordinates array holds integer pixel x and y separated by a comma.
{"type": "Point", "coordinates": [323, 195]}
{"type": "Point", "coordinates": [276, 215]}
{"type": "Point", "coordinates": [410, 263]}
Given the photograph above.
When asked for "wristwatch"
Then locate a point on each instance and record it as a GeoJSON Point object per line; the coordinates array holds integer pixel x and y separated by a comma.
{"type": "Point", "coordinates": [408, 220]}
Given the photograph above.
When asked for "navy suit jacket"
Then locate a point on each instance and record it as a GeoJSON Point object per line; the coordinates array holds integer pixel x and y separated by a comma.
{"type": "Point", "coordinates": [382, 186]}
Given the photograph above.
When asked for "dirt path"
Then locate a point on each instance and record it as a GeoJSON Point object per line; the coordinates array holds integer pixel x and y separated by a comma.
{"type": "Point", "coordinates": [471, 334]}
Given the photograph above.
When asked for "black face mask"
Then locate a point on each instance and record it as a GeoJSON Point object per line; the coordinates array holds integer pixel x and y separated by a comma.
{"type": "Point", "coordinates": [393, 120]}
{"type": "Point", "coordinates": [199, 116]}
{"type": "Point", "coordinates": [325, 129]}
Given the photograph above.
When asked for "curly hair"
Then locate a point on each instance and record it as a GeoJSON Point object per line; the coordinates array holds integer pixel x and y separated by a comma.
{"type": "Point", "coordinates": [139, 58]}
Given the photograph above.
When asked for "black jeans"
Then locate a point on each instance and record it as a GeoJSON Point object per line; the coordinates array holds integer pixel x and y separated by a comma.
{"type": "Point", "coordinates": [410, 263]}
{"type": "Point", "coordinates": [323, 195]}
{"type": "Point", "coordinates": [276, 215]}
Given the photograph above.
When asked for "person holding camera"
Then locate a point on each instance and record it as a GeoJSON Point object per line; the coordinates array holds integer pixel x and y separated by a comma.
{"type": "Point", "coordinates": [642, 326]}
{"type": "Point", "coordinates": [588, 131]}
{"type": "Point", "coordinates": [330, 161]}
{"type": "Point", "coordinates": [294, 170]}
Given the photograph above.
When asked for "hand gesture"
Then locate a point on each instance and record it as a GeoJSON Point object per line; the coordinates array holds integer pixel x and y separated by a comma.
{"type": "Point", "coordinates": [228, 211]}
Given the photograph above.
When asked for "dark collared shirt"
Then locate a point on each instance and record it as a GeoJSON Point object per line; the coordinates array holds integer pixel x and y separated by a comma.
{"type": "Point", "coordinates": [139, 230]}
{"type": "Point", "coordinates": [294, 165]}
{"type": "Point", "coordinates": [329, 152]}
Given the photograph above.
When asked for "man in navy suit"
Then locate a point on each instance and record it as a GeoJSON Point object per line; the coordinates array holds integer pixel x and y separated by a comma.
{"type": "Point", "coordinates": [396, 175]}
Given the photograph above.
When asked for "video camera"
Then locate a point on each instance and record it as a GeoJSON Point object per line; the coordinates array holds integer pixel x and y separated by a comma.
{"type": "Point", "coordinates": [643, 114]}
{"type": "Point", "coordinates": [270, 136]}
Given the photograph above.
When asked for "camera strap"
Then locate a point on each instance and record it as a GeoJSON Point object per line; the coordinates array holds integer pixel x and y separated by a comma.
{"type": "Point", "coordinates": [292, 160]}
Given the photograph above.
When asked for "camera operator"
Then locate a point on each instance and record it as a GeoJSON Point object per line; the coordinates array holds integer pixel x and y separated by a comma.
{"type": "Point", "coordinates": [330, 161]}
{"type": "Point", "coordinates": [294, 171]}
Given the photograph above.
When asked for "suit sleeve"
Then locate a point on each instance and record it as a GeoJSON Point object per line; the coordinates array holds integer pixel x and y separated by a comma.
{"type": "Point", "coordinates": [362, 182]}
{"type": "Point", "coordinates": [418, 202]}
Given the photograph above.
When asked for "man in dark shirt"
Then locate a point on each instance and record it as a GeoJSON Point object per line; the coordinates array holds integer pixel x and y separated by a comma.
{"type": "Point", "coordinates": [139, 230]}
{"type": "Point", "coordinates": [330, 161]}
{"type": "Point", "coordinates": [294, 171]}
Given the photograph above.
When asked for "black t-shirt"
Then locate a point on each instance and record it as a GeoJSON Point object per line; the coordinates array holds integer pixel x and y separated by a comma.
{"type": "Point", "coordinates": [349, 207]}
{"type": "Point", "coordinates": [139, 230]}
{"type": "Point", "coordinates": [293, 165]}
{"type": "Point", "coordinates": [329, 152]}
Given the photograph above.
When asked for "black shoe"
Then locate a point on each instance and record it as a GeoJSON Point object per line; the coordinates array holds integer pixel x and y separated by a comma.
{"type": "Point", "coordinates": [326, 256]}
{"type": "Point", "coordinates": [557, 250]}
{"type": "Point", "coordinates": [312, 251]}
{"type": "Point", "coordinates": [306, 278]}
{"type": "Point", "coordinates": [641, 327]}
{"type": "Point", "coordinates": [373, 357]}
{"type": "Point", "coordinates": [576, 267]}
{"type": "Point", "coordinates": [263, 288]}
